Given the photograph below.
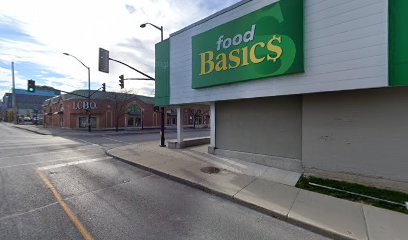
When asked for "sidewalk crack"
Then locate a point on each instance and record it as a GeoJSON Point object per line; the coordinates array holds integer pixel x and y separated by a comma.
{"type": "Point", "coordinates": [365, 220]}
{"type": "Point", "coordinates": [253, 180]}
{"type": "Point", "coordinates": [293, 203]}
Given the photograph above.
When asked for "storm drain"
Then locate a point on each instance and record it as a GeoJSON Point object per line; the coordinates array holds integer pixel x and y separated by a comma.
{"type": "Point", "coordinates": [210, 170]}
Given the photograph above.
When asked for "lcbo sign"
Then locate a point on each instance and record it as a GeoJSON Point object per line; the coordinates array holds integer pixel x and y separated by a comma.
{"type": "Point", "coordinates": [265, 43]}
{"type": "Point", "coordinates": [83, 105]}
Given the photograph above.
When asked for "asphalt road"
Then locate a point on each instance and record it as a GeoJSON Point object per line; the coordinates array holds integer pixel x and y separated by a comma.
{"type": "Point", "coordinates": [108, 141]}
{"type": "Point", "coordinates": [67, 188]}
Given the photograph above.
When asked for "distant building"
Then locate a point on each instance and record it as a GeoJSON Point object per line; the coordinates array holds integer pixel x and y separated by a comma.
{"type": "Point", "coordinates": [111, 110]}
{"type": "Point", "coordinates": [1, 110]}
{"type": "Point", "coordinates": [28, 103]}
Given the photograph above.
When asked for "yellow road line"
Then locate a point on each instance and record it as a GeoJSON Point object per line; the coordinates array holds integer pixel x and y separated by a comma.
{"type": "Point", "coordinates": [74, 219]}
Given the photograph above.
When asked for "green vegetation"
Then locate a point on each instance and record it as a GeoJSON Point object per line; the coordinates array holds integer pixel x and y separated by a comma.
{"type": "Point", "coordinates": [389, 195]}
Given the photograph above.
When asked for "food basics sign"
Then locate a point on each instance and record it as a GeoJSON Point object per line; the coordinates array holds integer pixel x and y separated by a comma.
{"type": "Point", "coordinates": [264, 43]}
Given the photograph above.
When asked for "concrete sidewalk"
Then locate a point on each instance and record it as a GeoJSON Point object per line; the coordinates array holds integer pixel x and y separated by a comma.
{"type": "Point", "coordinates": [269, 190]}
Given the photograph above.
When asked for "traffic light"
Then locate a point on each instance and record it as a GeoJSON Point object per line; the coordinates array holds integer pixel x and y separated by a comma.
{"type": "Point", "coordinates": [122, 81]}
{"type": "Point", "coordinates": [31, 86]}
{"type": "Point", "coordinates": [103, 87]}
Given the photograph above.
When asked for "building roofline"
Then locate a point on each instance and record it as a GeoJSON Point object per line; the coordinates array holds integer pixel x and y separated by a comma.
{"type": "Point", "coordinates": [68, 96]}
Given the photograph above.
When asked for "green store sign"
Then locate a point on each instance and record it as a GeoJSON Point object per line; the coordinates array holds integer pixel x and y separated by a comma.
{"type": "Point", "coordinates": [264, 43]}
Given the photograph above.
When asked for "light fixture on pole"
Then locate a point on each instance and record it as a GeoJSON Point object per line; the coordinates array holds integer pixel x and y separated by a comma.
{"type": "Point", "coordinates": [162, 138]}
{"type": "Point", "coordinates": [151, 24]}
{"type": "Point", "coordinates": [89, 90]}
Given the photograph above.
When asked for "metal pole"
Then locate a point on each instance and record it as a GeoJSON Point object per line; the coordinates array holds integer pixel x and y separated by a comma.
{"type": "Point", "coordinates": [162, 138]}
{"type": "Point", "coordinates": [89, 89]}
{"type": "Point", "coordinates": [89, 99]}
{"type": "Point", "coordinates": [13, 97]}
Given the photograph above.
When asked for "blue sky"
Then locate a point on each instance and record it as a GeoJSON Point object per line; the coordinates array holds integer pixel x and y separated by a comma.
{"type": "Point", "coordinates": [34, 34]}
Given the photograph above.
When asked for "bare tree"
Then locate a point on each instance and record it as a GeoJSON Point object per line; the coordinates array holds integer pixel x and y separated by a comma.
{"type": "Point", "coordinates": [120, 102]}
{"type": "Point", "coordinates": [195, 114]}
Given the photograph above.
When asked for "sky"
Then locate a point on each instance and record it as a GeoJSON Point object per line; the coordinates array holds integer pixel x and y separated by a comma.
{"type": "Point", "coordinates": [35, 34]}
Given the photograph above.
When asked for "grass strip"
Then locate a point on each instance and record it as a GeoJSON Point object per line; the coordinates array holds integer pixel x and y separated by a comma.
{"type": "Point", "coordinates": [388, 195]}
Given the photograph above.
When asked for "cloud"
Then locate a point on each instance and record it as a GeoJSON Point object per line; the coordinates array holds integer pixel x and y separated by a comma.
{"type": "Point", "coordinates": [37, 34]}
{"type": "Point", "coordinates": [130, 8]}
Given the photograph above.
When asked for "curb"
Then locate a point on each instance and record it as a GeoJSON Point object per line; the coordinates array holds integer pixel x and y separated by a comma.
{"type": "Point", "coordinates": [33, 131]}
{"type": "Point", "coordinates": [310, 227]}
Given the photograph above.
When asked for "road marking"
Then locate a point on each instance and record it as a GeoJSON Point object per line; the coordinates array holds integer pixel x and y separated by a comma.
{"type": "Point", "coordinates": [22, 146]}
{"type": "Point", "coordinates": [73, 163]}
{"type": "Point", "coordinates": [74, 219]}
{"type": "Point", "coordinates": [81, 140]}
{"type": "Point", "coordinates": [115, 140]}
{"type": "Point", "coordinates": [38, 163]}
{"type": "Point", "coordinates": [30, 211]}
{"type": "Point", "coordinates": [84, 148]}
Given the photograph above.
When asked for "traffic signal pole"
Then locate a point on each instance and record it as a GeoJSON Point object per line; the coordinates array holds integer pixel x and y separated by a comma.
{"type": "Point", "coordinates": [162, 138]}
{"type": "Point", "coordinates": [104, 67]}
{"type": "Point", "coordinates": [144, 74]}
{"type": "Point", "coordinates": [89, 99]}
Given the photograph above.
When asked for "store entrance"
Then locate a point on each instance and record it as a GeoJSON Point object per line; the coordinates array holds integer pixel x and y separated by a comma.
{"type": "Point", "coordinates": [134, 121]}
{"type": "Point", "coordinates": [83, 122]}
{"type": "Point", "coordinates": [134, 116]}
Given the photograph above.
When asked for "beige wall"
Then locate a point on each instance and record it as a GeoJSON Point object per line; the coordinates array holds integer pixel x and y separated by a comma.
{"type": "Point", "coordinates": [269, 126]}
{"type": "Point", "coordinates": [361, 132]}
{"type": "Point", "coordinates": [359, 135]}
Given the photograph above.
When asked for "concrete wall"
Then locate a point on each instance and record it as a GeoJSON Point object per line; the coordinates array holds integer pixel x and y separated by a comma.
{"type": "Point", "coordinates": [361, 132]}
{"type": "Point", "coordinates": [358, 135]}
{"type": "Point", "coordinates": [267, 126]}
{"type": "Point", "coordinates": [345, 42]}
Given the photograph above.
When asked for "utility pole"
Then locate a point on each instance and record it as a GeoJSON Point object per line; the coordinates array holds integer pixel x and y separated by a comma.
{"type": "Point", "coordinates": [13, 103]}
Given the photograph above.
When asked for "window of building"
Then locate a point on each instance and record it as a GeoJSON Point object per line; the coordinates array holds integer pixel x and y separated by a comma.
{"type": "Point", "coordinates": [83, 122]}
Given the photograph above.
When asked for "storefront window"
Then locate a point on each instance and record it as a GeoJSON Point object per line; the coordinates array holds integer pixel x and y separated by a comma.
{"type": "Point", "coordinates": [134, 116]}
{"type": "Point", "coordinates": [134, 109]}
{"type": "Point", "coordinates": [83, 122]}
{"type": "Point", "coordinates": [134, 122]}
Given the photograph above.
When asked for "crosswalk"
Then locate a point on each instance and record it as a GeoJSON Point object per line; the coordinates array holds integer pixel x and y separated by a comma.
{"type": "Point", "coordinates": [20, 148]}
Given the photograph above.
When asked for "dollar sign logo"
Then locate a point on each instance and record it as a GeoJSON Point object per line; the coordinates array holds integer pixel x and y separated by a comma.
{"type": "Point", "coordinates": [273, 48]}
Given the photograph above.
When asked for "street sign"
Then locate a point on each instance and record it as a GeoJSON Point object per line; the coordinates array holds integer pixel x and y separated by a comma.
{"type": "Point", "coordinates": [103, 60]}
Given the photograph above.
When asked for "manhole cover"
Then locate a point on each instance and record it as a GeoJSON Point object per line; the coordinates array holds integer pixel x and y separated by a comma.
{"type": "Point", "coordinates": [210, 170]}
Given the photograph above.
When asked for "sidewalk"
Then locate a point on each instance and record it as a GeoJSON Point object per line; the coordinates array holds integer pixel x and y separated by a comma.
{"type": "Point", "coordinates": [268, 190]}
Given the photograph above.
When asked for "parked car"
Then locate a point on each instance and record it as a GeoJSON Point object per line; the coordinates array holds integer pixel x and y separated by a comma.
{"type": "Point", "coordinates": [37, 120]}
{"type": "Point", "coordinates": [27, 120]}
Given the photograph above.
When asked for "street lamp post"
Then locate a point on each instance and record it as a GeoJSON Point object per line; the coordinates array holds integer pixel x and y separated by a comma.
{"type": "Point", "coordinates": [89, 90]}
{"type": "Point", "coordinates": [162, 139]}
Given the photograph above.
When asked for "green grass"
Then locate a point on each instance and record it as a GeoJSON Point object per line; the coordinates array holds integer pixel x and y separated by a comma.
{"type": "Point", "coordinates": [389, 195]}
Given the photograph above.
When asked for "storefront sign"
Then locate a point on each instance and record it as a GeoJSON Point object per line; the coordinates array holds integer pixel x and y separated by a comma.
{"type": "Point", "coordinates": [83, 105]}
{"type": "Point", "coordinates": [264, 43]}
